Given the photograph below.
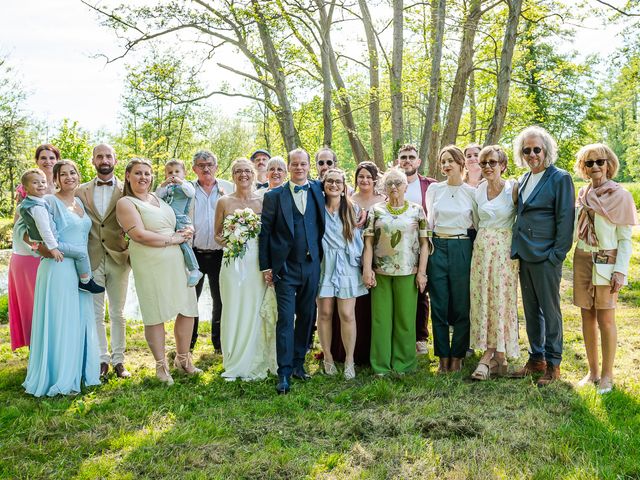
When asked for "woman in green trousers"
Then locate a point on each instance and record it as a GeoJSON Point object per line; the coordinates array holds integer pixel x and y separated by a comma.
{"type": "Point", "coordinates": [394, 267]}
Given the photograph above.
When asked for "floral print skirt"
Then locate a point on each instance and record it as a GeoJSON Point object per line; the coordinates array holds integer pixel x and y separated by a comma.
{"type": "Point", "coordinates": [494, 294]}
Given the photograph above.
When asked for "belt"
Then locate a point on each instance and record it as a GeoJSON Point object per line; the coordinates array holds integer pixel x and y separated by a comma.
{"type": "Point", "coordinates": [445, 236]}
{"type": "Point", "coordinates": [200, 250]}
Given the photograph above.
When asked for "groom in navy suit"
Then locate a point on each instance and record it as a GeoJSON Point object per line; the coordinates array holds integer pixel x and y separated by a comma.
{"type": "Point", "coordinates": [290, 245]}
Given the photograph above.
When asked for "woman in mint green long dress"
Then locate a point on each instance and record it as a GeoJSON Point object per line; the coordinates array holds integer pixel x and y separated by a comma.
{"type": "Point", "coordinates": [64, 348]}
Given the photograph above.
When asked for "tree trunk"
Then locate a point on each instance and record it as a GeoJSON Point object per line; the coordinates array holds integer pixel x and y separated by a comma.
{"type": "Point", "coordinates": [327, 99]}
{"type": "Point", "coordinates": [283, 111]}
{"type": "Point", "coordinates": [504, 75]}
{"type": "Point", "coordinates": [433, 168]}
{"type": "Point", "coordinates": [395, 78]}
{"type": "Point", "coordinates": [473, 113]}
{"type": "Point", "coordinates": [465, 67]}
{"type": "Point", "coordinates": [374, 87]}
{"type": "Point", "coordinates": [438, 9]}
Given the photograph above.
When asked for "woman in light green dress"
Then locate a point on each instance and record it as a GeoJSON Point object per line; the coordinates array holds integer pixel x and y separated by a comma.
{"type": "Point", "coordinates": [158, 268]}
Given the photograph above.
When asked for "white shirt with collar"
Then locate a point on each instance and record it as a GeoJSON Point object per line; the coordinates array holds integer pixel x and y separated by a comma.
{"type": "Point", "coordinates": [299, 197]}
{"type": "Point", "coordinates": [204, 212]}
{"type": "Point", "coordinates": [102, 194]}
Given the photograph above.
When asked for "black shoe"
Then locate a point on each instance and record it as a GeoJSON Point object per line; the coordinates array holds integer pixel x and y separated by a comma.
{"type": "Point", "coordinates": [91, 287]}
{"type": "Point", "coordinates": [283, 385]}
{"type": "Point", "coordinates": [300, 374]}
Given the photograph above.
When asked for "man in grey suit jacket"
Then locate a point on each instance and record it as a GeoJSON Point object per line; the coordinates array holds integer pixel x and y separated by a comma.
{"type": "Point", "coordinates": [542, 236]}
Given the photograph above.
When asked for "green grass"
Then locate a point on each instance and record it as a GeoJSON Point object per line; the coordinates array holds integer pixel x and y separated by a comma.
{"type": "Point", "coordinates": [415, 426]}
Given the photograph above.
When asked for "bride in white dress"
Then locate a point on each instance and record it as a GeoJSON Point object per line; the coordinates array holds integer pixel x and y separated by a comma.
{"type": "Point", "coordinates": [247, 326]}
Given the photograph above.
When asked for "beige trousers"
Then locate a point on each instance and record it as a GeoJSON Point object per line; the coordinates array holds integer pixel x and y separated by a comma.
{"type": "Point", "coordinates": [115, 279]}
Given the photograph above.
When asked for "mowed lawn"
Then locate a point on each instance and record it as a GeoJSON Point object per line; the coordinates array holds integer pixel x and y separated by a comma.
{"type": "Point", "coordinates": [415, 426]}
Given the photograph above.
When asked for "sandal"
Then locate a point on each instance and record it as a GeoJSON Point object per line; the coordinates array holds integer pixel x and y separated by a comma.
{"type": "Point", "coordinates": [499, 369]}
{"type": "Point", "coordinates": [482, 372]}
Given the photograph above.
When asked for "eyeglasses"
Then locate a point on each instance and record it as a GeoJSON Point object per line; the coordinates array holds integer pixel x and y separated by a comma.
{"type": "Point", "coordinates": [528, 150]}
{"type": "Point", "coordinates": [490, 163]}
{"type": "Point", "coordinates": [205, 166]}
{"type": "Point", "coordinates": [329, 163]}
{"type": "Point", "coordinates": [334, 181]}
{"type": "Point", "coordinates": [600, 162]}
{"type": "Point", "coordinates": [393, 183]}
{"type": "Point", "coordinates": [244, 171]}
{"type": "Point", "coordinates": [408, 157]}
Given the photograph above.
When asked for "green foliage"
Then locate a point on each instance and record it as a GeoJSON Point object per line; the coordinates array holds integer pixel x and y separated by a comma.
{"type": "Point", "coordinates": [75, 144]}
{"type": "Point", "coordinates": [4, 309]}
{"type": "Point", "coordinates": [6, 230]}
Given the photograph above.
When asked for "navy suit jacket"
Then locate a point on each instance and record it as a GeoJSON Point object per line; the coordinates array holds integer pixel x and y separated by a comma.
{"type": "Point", "coordinates": [544, 224]}
{"type": "Point", "coordinates": [276, 235]}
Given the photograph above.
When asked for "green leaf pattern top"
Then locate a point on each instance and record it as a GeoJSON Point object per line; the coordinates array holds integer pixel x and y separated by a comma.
{"type": "Point", "coordinates": [396, 247]}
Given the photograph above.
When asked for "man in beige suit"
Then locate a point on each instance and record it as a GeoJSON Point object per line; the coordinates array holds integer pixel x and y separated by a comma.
{"type": "Point", "coordinates": [109, 256]}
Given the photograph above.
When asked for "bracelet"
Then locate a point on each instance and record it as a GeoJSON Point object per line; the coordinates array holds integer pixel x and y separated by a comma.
{"type": "Point", "coordinates": [170, 241]}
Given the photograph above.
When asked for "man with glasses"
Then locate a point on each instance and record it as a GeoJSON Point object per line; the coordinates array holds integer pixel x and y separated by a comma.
{"type": "Point", "coordinates": [208, 253]}
{"type": "Point", "coordinates": [417, 186]}
{"type": "Point", "coordinates": [259, 158]}
{"type": "Point", "coordinates": [542, 236]}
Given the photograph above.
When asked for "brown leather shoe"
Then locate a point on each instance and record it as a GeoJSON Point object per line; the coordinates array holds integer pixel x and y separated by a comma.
{"type": "Point", "coordinates": [121, 372]}
{"type": "Point", "coordinates": [551, 375]}
{"type": "Point", "coordinates": [443, 367]}
{"type": "Point", "coordinates": [532, 367]}
{"type": "Point", "coordinates": [455, 364]}
{"type": "Point", "coordinates": [104, 369]}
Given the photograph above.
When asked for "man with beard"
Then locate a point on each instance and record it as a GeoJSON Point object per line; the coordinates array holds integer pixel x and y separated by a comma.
{"type": "Point", "coordinates": [259, 158]}
{"type": "Point", "coordinates": [409, 161]}
{"type": "Point", "coordinates": [109, 256]}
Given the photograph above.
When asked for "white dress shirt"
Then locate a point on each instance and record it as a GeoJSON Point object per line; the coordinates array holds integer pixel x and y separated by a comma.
{"type": "Point", "coordinates": [204, 212]}
{"type": "Point", "coordinates": [299, 197]}
{"type": "Point", "coordinates": [102, 195]}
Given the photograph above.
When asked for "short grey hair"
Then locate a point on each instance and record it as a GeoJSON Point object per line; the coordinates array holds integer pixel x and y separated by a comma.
{"type": "Point", "coordinates": [277, 161]}
{"type": "Point", "coordinates": [549, 146]}
{"type": "Point", "coordinates": [204, 155]}
{"type": "Point", "coordinates": [394, 173]}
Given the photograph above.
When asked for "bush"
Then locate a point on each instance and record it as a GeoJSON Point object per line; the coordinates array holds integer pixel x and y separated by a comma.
{"type": "Point", "coordinates": [6, 230]}
{"type": "Point", "coordinates": [4, 309]}
{"type": "Point", "coordinates": [634, 189]}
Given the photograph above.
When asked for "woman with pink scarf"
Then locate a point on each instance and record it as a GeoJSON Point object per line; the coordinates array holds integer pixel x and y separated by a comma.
{"type": "Point", "coordinates": [605, 216]}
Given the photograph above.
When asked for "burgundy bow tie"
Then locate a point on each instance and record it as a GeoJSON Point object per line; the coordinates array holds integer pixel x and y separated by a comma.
{"type": "Point", "coordinates": [102, 184]}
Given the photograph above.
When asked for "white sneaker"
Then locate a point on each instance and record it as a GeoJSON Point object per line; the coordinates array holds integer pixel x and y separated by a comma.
{"type": "Point", "coordinates": [421, 348]}
{"type": "Point", "coordinates": [194, 278]}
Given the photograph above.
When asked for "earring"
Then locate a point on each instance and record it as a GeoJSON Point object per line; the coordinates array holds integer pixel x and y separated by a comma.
{"type": "Point", "coordinates": [342, 194]}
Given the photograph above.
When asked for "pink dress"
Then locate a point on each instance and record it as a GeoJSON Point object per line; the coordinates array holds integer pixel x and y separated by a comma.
{"type": "Point", "coordinates": [23, 268]}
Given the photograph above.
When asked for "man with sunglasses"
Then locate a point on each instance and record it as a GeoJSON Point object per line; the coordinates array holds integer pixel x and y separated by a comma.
{"type": "Point", "coordinates": [542, 236]}
{"type": "Point", "coordinates": [409, 161]}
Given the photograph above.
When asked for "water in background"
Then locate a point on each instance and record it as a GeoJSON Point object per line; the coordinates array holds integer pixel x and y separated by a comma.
{"type": "Point", "coordinates": [131, 308]}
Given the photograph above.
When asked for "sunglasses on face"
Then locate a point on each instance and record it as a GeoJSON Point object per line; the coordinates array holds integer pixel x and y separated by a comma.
{"type": "Point", "coordinates": [490, 163]}
{"type": "Point", "coordinates": [528, 150]}
{"type": "Point", "coordinates": [322, 163]}
{"type": "Point", "coordinates": [393, 183]}
{"type": "Point", "coordinates": [600, 162]}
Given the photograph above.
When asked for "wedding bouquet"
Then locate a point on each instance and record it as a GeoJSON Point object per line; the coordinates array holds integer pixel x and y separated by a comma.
{"type": "Point", "coordinates": [237, 229]}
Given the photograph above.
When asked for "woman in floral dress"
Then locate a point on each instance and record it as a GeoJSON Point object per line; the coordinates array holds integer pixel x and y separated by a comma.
{"type": "Point", "coordinates": [494, 276]}
{"type": "Point", "coordinates": [394, 266]}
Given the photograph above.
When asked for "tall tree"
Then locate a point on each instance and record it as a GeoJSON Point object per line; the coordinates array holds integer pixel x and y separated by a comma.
{"type": "Point", "coordinates": [438, 9]}
{"type": "Point", "coordinates": [504, 74]}
{"type": "Point", "coordinates": [395, 77]}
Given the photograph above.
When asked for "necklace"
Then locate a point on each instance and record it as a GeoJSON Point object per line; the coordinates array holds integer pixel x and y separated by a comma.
{"type": "Point", "coordinates": [453, 190]}
{"type": "Point", "coordinates": [399, 210]}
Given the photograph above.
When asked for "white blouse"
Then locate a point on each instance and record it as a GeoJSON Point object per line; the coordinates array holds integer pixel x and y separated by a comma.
{"type": "Point", "coordinates": [451, 210]}
{"type": "Point", "coordinates": [610, 237]}
{"type": "Point", "coordinates": [499, 212]}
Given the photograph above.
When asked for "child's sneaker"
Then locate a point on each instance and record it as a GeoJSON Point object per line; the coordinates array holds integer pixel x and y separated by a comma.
{"type": "Point", "coordinates": [91, 287]}
{"type": "Point", "coordinates": [194, 278]}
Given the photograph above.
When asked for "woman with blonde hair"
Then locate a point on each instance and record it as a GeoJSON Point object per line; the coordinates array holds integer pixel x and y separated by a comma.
{"type": "Point", "coordinates": [606, 213]}
{"type": "Point", "coordinates": [158, 268]}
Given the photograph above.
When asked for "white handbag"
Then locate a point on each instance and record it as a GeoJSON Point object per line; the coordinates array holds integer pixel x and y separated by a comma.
{"type": "Point", "coordinates": [602, 272]}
